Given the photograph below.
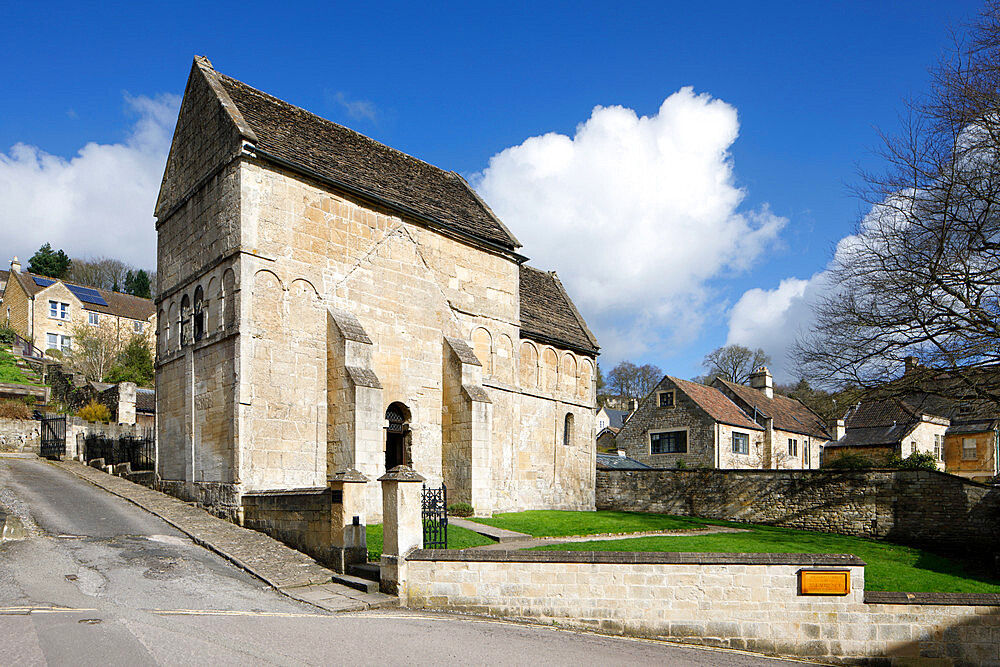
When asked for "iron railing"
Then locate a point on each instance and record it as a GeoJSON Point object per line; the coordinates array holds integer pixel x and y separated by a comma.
{"type": "Point", "coordinates": [139, 451]}
{"type": "Point", "coordinates": [434, 516]}
{"type": "Point", "coordinates": [53, 436]}
{"type": "Point", "coordinates": [27, 349]}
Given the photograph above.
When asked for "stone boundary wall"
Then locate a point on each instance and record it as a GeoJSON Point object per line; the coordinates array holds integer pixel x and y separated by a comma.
{"type": "Point", "coordinates": [740, 601]}
{"type": "Point", "coordinates": [300, 518]}
{"type": "Point", "coordinates": [19, 435]}
{"type": "Point", "coordinates": [918, 507]}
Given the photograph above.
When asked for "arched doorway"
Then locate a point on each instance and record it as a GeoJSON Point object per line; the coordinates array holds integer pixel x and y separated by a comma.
{"type": "Point", "coordinates": [397, 436]}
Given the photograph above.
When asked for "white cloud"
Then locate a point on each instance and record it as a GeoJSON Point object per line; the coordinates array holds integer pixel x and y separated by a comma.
{"type": "Point", "coordinates": [636, 213]}
{"type": "Point", "coordinates": [98, 203]}
{"type": "Point", "coordinates": [356, 109]}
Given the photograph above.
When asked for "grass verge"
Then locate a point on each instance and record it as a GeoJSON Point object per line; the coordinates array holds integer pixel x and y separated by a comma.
{"type": "Point", "coordinates": [458, 538]}
{"type": "Point", "coordinates": [558, 523]}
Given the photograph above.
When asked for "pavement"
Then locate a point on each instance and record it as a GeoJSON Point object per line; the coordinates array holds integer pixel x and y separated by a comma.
{"type": "Point", "coordinates": [287, 570]}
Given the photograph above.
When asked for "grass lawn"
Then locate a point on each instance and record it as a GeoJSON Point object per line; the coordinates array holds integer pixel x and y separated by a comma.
{"type": "Point", "coordinates": [9, 372]}
{"type": "Point", "coordinates": [458, 538]}
{"type": "Point", "coordinates": [557, 523]}
{"type": "Point", "coordinates": [890, 567]}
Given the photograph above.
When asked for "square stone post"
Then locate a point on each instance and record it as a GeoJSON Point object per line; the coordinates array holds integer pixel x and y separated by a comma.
{"type": "Point", "coordinates": [349, 542]}
{"type": "Point", "coordinates": [402, 528]}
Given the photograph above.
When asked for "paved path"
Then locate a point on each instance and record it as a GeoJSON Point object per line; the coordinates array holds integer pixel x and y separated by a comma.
{"type": "Point", "coordinates": [289, 571]}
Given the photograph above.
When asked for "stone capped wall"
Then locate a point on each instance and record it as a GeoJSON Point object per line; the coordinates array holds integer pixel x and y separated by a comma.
{"type": "Point", "coordinates": [19, 435]}
{"type": "Point", "coordinates": [920, 507]}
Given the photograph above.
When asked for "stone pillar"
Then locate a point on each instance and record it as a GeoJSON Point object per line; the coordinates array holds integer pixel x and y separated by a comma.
{"type": "Point", "coordinates": [402, 529]}
{"type": "Point", "coordinates": [349, 543]}
{"type": "Point", "coordinates": [126, 402]}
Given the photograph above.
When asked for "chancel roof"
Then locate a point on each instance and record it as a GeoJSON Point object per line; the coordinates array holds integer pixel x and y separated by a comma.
{"type": "Point", "coordinates": [548, 314]}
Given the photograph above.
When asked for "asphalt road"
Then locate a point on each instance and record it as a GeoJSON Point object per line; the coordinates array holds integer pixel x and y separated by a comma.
{"type": "Point", "coordinates": [100, 581]}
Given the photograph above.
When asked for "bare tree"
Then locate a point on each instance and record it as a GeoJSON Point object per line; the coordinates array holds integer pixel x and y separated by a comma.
{"type": "Point", "coordinates": [921, 277]}
{"type": "Point", "coordinates": [95, 350]}
{"type": "Point", "coordinates": [734, 363]}
{"type": "Point", "coordinates": [630, 381]}
{"type": "Point", "coordinates": [101, 272]}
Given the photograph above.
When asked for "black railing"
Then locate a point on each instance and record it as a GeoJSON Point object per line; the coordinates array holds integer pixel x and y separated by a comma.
{"type": "Point", "coordinates": [27, 349]}
{"type": "Point", "coordinates": [53, 436]}
{"type": "Point", "coordinates": [434, 516]}
{"type": "Point", "coordinates": [139, 451]}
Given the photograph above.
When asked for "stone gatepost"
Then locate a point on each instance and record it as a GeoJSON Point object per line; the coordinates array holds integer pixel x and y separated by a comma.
{"type": "Point", "coordinates": [348, 543]}
{"type": "Point", "coordinates": [402, 529]}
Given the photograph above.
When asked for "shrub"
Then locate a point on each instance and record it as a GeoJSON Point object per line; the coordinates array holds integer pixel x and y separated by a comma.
{"type": "Point", "coordinates": [7, 334]}
{"type": "Point", "coordinates": [916, 461]}
{"type": "Point", "coordinates": [94, 412]}
{"type": "Point", "coordinates": [849, 461]}
{"type": "Point", "coordinates": [54, 353]}
{"type": "Point", "coordinates": [460, 509]}
{"type": "Point", "coordinates": [681, 464]}
{"type": "Point", "coordinates": [13, 409]}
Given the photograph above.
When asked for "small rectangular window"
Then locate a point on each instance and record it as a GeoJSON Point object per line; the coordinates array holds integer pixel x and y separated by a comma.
{"type": "Point", "coordinates": [793, 447]}
{"type": "Point", "coordinates": [52, 341]}
{"type": "Point", "coordinates": [93, 319]}
{"type": "Point", "coordinates": [741, 443]}
{"type": "Point", "coordinates": [672, 442]}
{"type": "Point", "coordinates": [64, 342]}
{"type": "Point", "coordinates": [137, 326]}
{"type": "Point", "coordinates": [59, 310]}
{"type": "Point", "coordinates": [913, 447]}
{"type": "Point", "coordinates": [806, 453]}
{"type": "Point", "coordinates": [666, 399]}
{"type": "Point", "coordinates": [937, 445]}
{"type": "Point", "coordinates": [969, 449]}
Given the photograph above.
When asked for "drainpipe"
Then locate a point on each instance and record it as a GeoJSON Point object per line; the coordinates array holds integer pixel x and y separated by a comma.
{"type": "Point", "coordinates": [996, 450]}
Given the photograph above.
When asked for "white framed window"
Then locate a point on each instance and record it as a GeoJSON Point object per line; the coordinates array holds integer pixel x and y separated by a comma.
{"type": "Point", "coordinates": [137, 326]}
{"type": "Point", "coordinates": [806, 453]}
{"type": "Point", "coordinates": [665, 399]}
{"type": "Point", "coordinates": [793, 447]}
{"type": "Point", "coordinates": [913, 446]}
{"type": "Point", "coordinates": [668, 442]}
{"type": "Point", "coordinates": [54, 341]}
{"type": "Point", "coordinates": [59, 310]}
{"type": "Point", "coordinates": [741, 443]}
{"type": "Point", "coordinates": [968, 449]}
{"type": "Point", "coordinates": [938, 446]}
{"type": "Point", "coordinates": [93, 319]}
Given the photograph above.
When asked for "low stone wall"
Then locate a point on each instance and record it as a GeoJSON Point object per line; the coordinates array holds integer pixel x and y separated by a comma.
{"type": "Point", "coordinates": [919, 507]}
{"type": "Point", "coordinates": [741, 601]}
{"type": "Point", "coordinates": [19, 435]}
{"type": "Point", "coordinates": [300, 518]}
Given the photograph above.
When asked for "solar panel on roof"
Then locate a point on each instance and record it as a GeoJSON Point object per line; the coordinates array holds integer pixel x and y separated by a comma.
{"type": "Point", "coordinates": [87, 295]}
{"type": "Point", "coordinates": [42, 282]}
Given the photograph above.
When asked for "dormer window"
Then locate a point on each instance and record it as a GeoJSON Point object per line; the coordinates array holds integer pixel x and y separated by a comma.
{"type": "Point", "coordinates": [665, 399]}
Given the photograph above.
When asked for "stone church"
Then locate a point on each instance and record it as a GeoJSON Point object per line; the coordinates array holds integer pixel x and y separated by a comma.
{"type": "Point", "coordinates": [326, 302]}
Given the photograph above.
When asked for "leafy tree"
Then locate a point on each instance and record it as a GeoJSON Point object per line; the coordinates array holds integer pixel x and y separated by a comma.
{"type": "Point", "coordinates": [630, 381]}
{"type": "Point", "coordinates": [137, 283]}
{"type": "Point", "coordinates": [134, 364]}
{"type": "Point", "coordinates": [49, 262]}
{"type": "Point", "coordinates": [920, 278]}
{"type": "Point", "coordinates": [734, 363]}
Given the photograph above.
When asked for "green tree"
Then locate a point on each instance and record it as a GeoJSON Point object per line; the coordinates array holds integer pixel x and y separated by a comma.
{"type": "Point", "coordinates": [137, 283]}
{"type": "Point", "coordinates": [134, 364]}
{"type": "Point", "coordinates": [49, 262]}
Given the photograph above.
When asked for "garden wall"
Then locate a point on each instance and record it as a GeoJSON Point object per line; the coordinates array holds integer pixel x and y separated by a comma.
{"type": "Point", "coordinates": [19, 435]}
{"type": "Point", "coordinates": [919, 507]}
{"type": "Point", "coordinates": [741, 601]}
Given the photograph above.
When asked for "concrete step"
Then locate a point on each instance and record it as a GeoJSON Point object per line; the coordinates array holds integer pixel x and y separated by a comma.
{"type": "Point", "coordinates": [357, 583]}
{"type": "Point", "coordinates": [368, 571]}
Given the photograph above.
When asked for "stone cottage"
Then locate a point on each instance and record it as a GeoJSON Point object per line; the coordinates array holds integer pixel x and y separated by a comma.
{"type": "Point", "coordinates": [327, 302]}
{"type": "Point", "coordinates": [725, 425]}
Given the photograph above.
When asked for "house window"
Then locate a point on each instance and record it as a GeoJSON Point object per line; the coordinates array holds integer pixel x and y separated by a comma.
{"type": "Point", "coordinates": [665, 399]}
{"type": "Point", "coordinates": [93, 319]}
{"type": "Point", "coordinates": [913, 447]}
{"type": "Point", "coordinates": [59, 310]}
{"type": "Point", "coordinates": [937, 445]}
{"type": "Point", "coordinates": [671, 442]}
{"type": "Point", "coordinates": [568, 429]}
{"type": "Point", "coordinates": [137, 327]}
{"type": "Point", "coordinates": [793, 447]}
{"type": "Point", "coordinates": [57, 342]}
{"type": "Point", "coordinates": [806, 453]}
{"type": "Point", "coordinates": [968, 449]}
{"type": "Point", "coordinates": [741, 443]}
{"type": "Point", "coordinates": [199, 313]}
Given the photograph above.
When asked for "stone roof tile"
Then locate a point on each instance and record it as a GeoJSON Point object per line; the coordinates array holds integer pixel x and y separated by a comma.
{"type": "Point", "coordinates": [548, 314]}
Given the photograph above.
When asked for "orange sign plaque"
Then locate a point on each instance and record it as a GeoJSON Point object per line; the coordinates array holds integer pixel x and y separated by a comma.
{"type": "Point", "coordinates": [824, 582]}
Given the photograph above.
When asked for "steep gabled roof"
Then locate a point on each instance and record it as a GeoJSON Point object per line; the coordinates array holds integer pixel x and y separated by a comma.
{"type": "Point", "coordinates": [320, 148]}
{"type": "Point", "coordinates": [119, 305]}
{"type": "Point", "coordinates": [787, 414]}
{"type": "Point", "coordinates": [716, 404]}
{"type": "Point", "coordinates": [548, 314]}
{"type": "Point", "coordinates": [616, 417]}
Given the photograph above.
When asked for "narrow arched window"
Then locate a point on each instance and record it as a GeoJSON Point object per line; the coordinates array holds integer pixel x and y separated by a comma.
{"type": "Point", "coordinates": [199, 313]}
{"type": "Point", "coordinates": [568, 429]}
{"type": "Point", "coordinates": [183, 326]}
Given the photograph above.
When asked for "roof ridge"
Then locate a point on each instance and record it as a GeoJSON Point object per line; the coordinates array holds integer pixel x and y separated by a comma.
{"type": "Point", "coordinates": [93, 287]}
{"type": "Point", "coordinates": [331, 122]}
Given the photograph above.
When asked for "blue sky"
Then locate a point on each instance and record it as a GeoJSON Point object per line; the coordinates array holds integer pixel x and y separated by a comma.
{"type": "Point", "coordinates": [90, 93]}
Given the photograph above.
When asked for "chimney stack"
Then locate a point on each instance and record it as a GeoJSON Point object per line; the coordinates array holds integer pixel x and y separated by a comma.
{"type": "Point", "coordinates": [909, 364]}
{"type": "Point", "coordinates": [633, 405]}
{"type": "Point", "coordinates": [837, 429]}
{"type": "Point", "coordinates": [761, 380]}
{"type": "Point", "coordinates": [15, 265]}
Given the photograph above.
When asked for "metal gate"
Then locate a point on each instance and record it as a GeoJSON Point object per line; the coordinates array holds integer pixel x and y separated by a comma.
{"type": "Point", "coordinates": [53, 436]}
{"type": "Point", "coordinates": [434, 515]}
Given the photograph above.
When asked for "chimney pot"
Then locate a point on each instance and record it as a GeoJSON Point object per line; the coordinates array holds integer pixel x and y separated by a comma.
{"type": "Point", "coordinates": [762, 381]}
{"type": "Point", "coordinates": [15, 265]}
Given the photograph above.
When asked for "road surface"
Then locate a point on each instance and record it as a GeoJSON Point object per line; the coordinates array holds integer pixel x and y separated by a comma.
{"type": "Point", "coordinates": [100, 581]}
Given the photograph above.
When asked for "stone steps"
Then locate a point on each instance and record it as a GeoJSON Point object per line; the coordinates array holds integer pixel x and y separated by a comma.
{"type": "Point", "coordinates": [357, 583]}
{"type": "Point", "coordinates": [370, 571]}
